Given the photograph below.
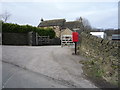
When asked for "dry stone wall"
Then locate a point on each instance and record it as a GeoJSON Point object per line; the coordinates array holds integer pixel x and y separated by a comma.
{"type": "Point", "coordinates": [104, 52]}
{"type": "Point", "coordinates": [98, 47]}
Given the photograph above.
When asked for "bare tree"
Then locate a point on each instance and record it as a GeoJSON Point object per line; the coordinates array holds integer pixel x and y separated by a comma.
{"type": "Point", "coordinates": [85, 23]}
{"type": "Point", "coordinates": [5, 16]}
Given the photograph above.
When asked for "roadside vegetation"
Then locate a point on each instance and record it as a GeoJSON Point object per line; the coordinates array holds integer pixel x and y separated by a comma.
{"type": "Point", "coordinates": [96, 71]}
{"type": "Point", "coordinates": [15, 28]}
{"type": "Point", "coordinates": [103, 60]}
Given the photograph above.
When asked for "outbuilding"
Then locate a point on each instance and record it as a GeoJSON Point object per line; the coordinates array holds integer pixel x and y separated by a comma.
{"type": "Point", "coordinates": [99, 34]}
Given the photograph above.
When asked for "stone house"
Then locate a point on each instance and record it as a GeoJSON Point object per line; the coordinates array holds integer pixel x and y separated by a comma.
{"type": "Point", "coordinates": [61, 27]}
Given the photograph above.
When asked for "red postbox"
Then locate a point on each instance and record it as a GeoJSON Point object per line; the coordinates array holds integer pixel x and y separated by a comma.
{"type": "Point", "coordinates": [75, 36]}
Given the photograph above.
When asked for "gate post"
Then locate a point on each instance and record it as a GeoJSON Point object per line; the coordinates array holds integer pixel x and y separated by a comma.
{"type": "Point", "coordinates": [36, 36]}
{"type": "Point", "coordinates": [30, 38]}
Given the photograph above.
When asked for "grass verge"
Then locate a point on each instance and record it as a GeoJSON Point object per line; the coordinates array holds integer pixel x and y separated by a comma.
{"type": "Point", "coordinates": [95, 73]}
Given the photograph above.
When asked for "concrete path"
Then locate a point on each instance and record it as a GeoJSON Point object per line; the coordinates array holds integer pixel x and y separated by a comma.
{"type": "Point", "coordinates": [41, 67]}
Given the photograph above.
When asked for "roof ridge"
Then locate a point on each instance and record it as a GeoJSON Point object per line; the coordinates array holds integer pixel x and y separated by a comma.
{"type": "Point", "coordinates": [72, 21]}
{"type": "Point", "coordinates": [55, 20]}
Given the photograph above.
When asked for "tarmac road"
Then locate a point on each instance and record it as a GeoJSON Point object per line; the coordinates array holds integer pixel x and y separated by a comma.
{"type": "Point", "coordinates": [42, 67]}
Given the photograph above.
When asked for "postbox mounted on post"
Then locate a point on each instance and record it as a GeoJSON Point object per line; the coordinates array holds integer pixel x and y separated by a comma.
{"type": "Point", "coordinates": [75, 36]}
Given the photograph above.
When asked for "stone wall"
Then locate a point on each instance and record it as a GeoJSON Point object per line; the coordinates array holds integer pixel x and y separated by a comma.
{"type": "Point", "coordinates": [104, 52]}
{"type": "Point", "coordinates": [57, 31]}
{"type": "Point", "coordinates": [66, 31]}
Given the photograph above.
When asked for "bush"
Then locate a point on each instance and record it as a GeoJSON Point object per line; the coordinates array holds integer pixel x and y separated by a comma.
{"type": "Point", "coordinates": [15, 28]}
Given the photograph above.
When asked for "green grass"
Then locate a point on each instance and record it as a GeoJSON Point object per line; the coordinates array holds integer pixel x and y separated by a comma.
{"type": "Point", "coordinates": [95, 69]}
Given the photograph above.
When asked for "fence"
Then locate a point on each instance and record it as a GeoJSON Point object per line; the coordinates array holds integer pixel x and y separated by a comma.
{"type": "Point", "coordinates": [30, 38]}
{"type": "Point", "coordinates": [14, 38]}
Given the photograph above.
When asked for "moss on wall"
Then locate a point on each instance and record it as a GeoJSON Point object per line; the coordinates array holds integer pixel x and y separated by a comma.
{"type": "Point", "coordinates": [104, 54]}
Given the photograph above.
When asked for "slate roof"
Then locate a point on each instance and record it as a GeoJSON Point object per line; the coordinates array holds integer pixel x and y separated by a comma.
{"type": "Point", "coordinates": [55, 22]}
{"type": "Point", "coordinates": [61, 22]}
{"type": "Point", "coordinates": [73, 24]}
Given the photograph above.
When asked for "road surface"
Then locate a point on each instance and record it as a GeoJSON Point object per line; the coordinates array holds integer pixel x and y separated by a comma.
{"type": "Point", "coordinates": [42, 67]}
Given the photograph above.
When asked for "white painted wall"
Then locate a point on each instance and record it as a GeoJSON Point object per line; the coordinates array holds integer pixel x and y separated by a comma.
{"type": "Point", "coordinates": [99, 34]}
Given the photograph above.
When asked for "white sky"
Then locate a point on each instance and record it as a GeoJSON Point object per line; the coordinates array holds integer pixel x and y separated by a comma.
{"type": "Point", "coordinates": [100, 13]}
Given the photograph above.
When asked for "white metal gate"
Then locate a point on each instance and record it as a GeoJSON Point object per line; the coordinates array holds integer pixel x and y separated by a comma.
{"type": "Point", "coordinates": [66, 41]}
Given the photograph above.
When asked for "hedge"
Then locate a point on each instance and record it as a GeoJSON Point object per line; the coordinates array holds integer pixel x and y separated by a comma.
{"type": "Point", "coordinates": [15, 28]}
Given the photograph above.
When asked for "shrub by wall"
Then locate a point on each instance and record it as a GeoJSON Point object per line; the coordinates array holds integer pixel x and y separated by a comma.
{"type": "Point", "coordinates": [104, 54]}
{"type": "Point", "coordinates": [14, 34]}
{"type": "Point", "coordinates": [15, 28]}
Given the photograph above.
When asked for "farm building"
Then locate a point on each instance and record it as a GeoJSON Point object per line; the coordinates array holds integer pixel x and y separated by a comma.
{"type": "Point", "coordinates": [61, 27]}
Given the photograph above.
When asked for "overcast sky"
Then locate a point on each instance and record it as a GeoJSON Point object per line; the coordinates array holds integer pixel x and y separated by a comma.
{"type": "Point", "coordinates": [99, 14]}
